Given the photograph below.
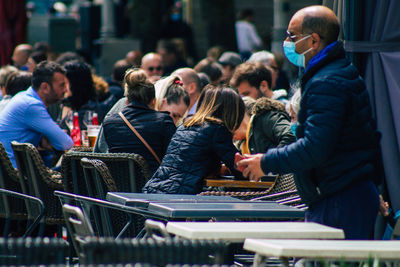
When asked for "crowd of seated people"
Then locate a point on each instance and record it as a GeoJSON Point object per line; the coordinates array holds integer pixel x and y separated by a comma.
{"type": "Point", "coordinates": [157, 93]}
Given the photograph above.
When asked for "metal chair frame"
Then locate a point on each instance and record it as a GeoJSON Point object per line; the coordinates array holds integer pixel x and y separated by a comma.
{"type": "Point", "coordinates": [7, 193]}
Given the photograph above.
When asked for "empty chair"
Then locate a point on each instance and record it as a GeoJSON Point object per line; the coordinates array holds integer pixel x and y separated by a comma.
{"type": "Point", "coordinates": [129, 171]}
{"type": "Point", "coordinates": [78, 226]}
{"type": "Point", "coordinates": [98, 182]}
{"type": "Point", "coordinates": [40, 180]}
{"type": "Point", "coordinates": [36, 209]}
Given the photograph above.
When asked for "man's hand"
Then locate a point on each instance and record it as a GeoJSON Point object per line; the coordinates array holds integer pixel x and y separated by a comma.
{"type": "Point", "coordinates": [252, 167]}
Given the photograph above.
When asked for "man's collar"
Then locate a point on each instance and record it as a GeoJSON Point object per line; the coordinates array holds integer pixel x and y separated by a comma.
{"type": "Point", "coordinates": [320, 56]}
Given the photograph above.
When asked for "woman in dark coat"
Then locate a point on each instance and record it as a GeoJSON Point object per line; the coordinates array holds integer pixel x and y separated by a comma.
{"type": "Point", "coordinates": [155, 127]}
{"type": "Point", "coordinates": [200, 144]}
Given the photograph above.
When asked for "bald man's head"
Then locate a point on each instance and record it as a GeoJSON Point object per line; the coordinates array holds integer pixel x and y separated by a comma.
{"type": "Point", "coordinates": [191, 82]}
{"type": "Point", "coordinates": [188, 76]}
{"type": "Point", "coordinates": [320, 20]}
{"type": "Point", "coordinates": [21, 54]}
{"type": "Point", "coordinates": [151, 64]}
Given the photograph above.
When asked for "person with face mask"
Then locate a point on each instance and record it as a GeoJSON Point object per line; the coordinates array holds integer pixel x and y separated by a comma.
{"type": "Point", "coordinates": [175, 27]}
{"type": "Point", "coordinates": [336, 158]}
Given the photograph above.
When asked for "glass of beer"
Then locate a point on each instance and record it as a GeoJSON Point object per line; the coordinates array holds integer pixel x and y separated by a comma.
{"type": "Point", "coordinates": [93, 131]}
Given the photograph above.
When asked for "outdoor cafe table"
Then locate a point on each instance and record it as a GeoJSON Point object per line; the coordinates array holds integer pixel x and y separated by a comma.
{"type": "Point", "coordinates": [180, 207]}
{"type": "Point", "coordinates": [322, 249]}
{"type": "Point", "coordinates": [239, 231]}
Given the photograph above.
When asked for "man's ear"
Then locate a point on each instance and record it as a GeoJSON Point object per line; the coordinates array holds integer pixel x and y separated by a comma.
{"type": "Point", "coordinates": [191, 88]}
{"type": "Point", "coordinates": [316, 40]}
{"type": "Point", "coordinates": [264, 88]}
{"type": "Point", "coordinates": [152, 103]}
{"type": "Point", "coordinates": [44, 87]}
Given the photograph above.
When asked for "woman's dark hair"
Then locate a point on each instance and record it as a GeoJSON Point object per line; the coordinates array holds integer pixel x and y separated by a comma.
{"type": "Point", "coordinates": [18, 81]}
{"type": "Point", "coordinates": [38, 56]}
{"type": "Point", "coordinates": [138, 87]}
{"type": "Point", "coordinates": [220, 105]}
{"type": "Point", "coordinates": [80, 79]}
{"type": "Point", "coordinates": [211, 68]}
{"type": "Point", "coordinates": [68, 56]}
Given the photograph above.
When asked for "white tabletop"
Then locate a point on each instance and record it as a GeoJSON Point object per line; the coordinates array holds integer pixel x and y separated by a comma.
{"type": "Point", "coordinates": [335, 249]}
{"type": "Point", "coordinates": [238, 231]}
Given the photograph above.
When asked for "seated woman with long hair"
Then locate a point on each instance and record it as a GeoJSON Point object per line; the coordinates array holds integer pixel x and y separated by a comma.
{"type": "Point", "coordinates": [155, 127]}
{"type": "Point", "coordinates": [82, 96]}
{"type": "Point", "coordinates": [200, 144]}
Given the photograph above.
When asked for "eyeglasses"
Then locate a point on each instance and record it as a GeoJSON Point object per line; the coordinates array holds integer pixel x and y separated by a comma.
{"type": "Point", "coordinates": [158, 68]}
{"type": "Point", "coordinates": [291, 37]}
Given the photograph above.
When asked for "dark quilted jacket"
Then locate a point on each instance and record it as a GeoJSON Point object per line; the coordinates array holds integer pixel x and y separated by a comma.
{"type": "Point", "coordinates": [155, 127]}
{"type": "Point", "coordinates": [337, 142]}
{"type": "Point", "coordinates": [194, 152]}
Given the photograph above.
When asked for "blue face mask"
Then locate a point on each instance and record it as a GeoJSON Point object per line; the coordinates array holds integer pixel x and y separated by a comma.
{"type": "Point", "coordinates": [290, 53]}
{"type": "Point", "coordinates": [175, 16]}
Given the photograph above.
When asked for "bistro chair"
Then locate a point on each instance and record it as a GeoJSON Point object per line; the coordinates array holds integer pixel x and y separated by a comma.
{"type": "Point", "coordinates": [32, 251]}
{"type": "Point", "coordinates": [154, 252]}
{"type": "Point", "coordinates": [10, 179]}
{"type": "Point", "coordinates": [129, 170]}
{"type": "Point", "coordinates": [78, 226]}
{"type": "Point", "coordinates": [98, 182]}
{"type": "Point", "coordinates": [36, 208]}
{"type": "Point", "coordinates": [40, 180]}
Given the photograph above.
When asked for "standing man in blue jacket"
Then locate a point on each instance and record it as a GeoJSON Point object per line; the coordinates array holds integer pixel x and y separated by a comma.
{"type": "Point", "coordinates": [336, 154]}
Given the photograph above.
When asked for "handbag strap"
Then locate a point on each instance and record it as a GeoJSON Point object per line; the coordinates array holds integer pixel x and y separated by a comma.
{"type": "Point", "coordinates": [140, 137]}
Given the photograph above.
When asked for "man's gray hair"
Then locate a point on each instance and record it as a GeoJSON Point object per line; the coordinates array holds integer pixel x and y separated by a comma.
{"type": "Point", "coordinates": [264, 57]}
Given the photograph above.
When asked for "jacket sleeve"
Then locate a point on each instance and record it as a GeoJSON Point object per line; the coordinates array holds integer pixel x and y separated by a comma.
{"type": "Point", "coordinates": [225, 150]}
{"type": "Point", "coordinates": [277, 128]}
{"type": "Point", "coordinates": [324, 103]}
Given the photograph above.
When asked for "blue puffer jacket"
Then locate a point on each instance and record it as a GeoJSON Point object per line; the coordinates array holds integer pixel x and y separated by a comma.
{"type": "Point", "coordinates": [193, 153]}
{"type": "Point", "coordinates": [337, 143]}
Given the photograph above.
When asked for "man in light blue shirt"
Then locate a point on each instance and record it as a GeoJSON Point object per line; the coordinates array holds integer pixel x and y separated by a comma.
{"type": "Point", "coordinates": [26, 120]}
